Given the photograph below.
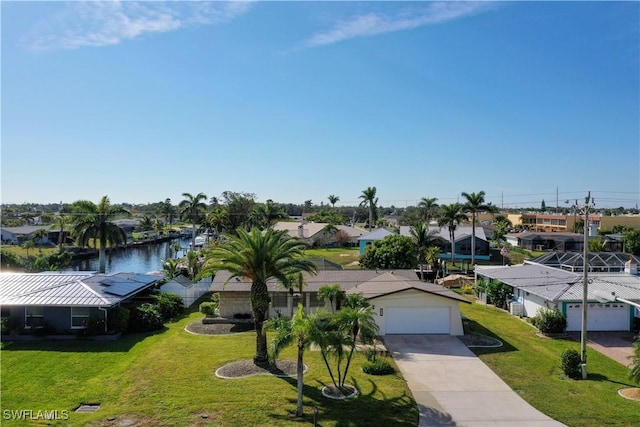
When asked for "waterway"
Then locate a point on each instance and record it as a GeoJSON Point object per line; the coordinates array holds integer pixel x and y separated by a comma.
{"type": "Point", "coordinates": [136, 259]}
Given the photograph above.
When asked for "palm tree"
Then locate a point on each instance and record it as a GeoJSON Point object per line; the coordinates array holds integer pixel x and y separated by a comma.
{"type": "Point", "coordinates": [450, 216]}
{"type": "Point", "coordinates": [294, 282]}
{"type": "Point", "coordinates": [357, 323]}
{"type": "Point", "coordinates": [171, 268]}
{"type": "Point", "coordinates": [332, 293]}
{"type": "Point", "coordinates": [634, 367]}
{"type": "Point", "coordinates": [333, 200]}
{"type": "Point", "coordinates": [475, 203]}
{"type": "Point", "coordinates": [39, 235]}
{"type": "Point", "coordinates": [62, 221]}
{"type": "Point", "coordinates": [431, 257]}
{"type": "Point", "coordinates": [287, 331]}
{"type": "Point", "coordinates": [26, 245]}
{"type": "Point", "coordinates": [429, 208]}
{"type": "Point", "coordinates": [94, 222]}
{"type": "Point", "coordinates": [217, 219]}
{"type": "Point", "coordinates": [168, 211]}
{"type": "Point", "coordinates": [369, 200]}
{"type": "Point", "coordinates": [191, 208]}
{"type": "Point", "coordinates": [258, 257]}
{"type": "Point", "coordinates": [423, 239]}
{"type": "Point", "coordinates": [146, 223]}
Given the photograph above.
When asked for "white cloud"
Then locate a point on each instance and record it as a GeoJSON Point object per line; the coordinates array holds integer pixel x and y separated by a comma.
{"type": "Point", "coordinates": [376, 23]}
{"type": "Point", "coordinates": [103, 23]}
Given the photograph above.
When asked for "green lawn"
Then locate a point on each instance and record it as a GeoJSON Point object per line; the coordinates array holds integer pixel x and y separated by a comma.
{"type": "Point", "coordinates": [531, 366]}
{"type": "Point", "coordinates": [167, 379]}
{"type": "Point", "coordinates": [342, 256]}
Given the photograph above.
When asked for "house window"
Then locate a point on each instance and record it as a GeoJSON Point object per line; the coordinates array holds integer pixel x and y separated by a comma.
{"type": "Point", "coordinates": [33, 317]}
{"type": "Point", "coordinates": [279, 299]}
{"type": "Point", "coordinates": [79, 316]}
{"type": "Point", "coordinates": [314, 301]}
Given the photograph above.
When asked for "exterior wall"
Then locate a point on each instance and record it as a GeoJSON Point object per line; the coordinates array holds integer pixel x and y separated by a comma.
{"type": "Point", "coordinates": [8, 237]}
{"type": "Point", "coordinates": [234, 303]}
{"type": "Point", "coordinates": [363, 245]}
{"type": "Point", "coordinates": [57, 318]}
{"type": "Point", "coordinates": [531, 303]}
{"type": "Point", "coordinates": [413, 298]}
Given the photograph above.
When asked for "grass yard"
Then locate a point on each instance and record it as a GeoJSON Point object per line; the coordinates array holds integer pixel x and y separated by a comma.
{"type": "Point", "coordinates": [530, 365]}
{"type": "Point", "coordinates": [167, 379]}
{"type": "Point", "coordinates": [342, 256]}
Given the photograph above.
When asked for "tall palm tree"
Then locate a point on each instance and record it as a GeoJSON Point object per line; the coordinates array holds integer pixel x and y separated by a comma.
{"type": "Point", "coordinates": [429, 208]}
{"type": "Point", "coordinates": [423, 239]}
{"type": "Point", "coordinates": [287, 331]}
{"type": "Point", "coordinates": [450, 216]}
{"type": "Point", "coordinates": [258, 257]}
{"type": "Point", "coordinates": [39, 235]}
{"type": "Point", "coordinates": [94, 222]}
{"type": "Point", "coordinates": [294, 282]}
{"type": "Point", "coordinates": [191, 208]}
{"type": "Point", "coordinates": [333, 200]}
{"type": "Point", "coordinates": [474, 204]}
{"type": "Point", "coordinates": [370, 200]}
{"type": "Point", "coordinates": [356, 323]}
{"type": "Point", "coordinates": [168, 211]}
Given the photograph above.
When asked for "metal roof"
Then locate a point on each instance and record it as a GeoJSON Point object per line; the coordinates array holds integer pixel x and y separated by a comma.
{"type": "Point", "coordinates": [378, 234]}
{"type": "Point", "coordinates": [555, 284]}
{"type": "Point", "coordinates": [602, 261]}
{"type": "Point", "coordinates": [68, 289]}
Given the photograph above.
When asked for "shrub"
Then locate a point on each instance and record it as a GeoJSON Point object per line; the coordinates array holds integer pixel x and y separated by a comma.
{"type": "Point", "coordinates": [169, 304]}
{"type": "Point", "coordinates": [94, 326]}
{"type": "Point", "coordinates": [550, 321]}
{"type": "Point", "coordinates": [571, 364]}
{"type": "Point", "coordinates": [208, 308]}
{"type": "Point", "coordinates": [379, 366]}
{"type": "Point", "coordinates": [10, 325]}
{"type": "Point", "coordinates": [119, 319]}
{"type": "Point", "coordinates": [145, 317]}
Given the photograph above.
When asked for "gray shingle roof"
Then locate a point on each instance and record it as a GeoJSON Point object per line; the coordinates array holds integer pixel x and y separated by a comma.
{"type": "Point", "coordinates": [378, 234]}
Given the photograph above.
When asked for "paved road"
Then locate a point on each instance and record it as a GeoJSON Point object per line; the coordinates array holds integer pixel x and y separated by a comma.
{"type": "Point", "coordinates": [452, 387]}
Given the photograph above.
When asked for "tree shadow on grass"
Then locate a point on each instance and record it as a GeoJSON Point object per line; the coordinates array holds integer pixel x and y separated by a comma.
{"type": "Point", "coordinates": [604, 378]}
{"type": "Point", "coordinates": [471, 326]}
{"type": "Point", "coordinates": [372, 408]}
{"type": "Point", "coordinates": [123, 344]}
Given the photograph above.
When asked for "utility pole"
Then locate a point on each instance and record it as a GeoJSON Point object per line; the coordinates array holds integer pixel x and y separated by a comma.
{"type": "Point", "coordinates": [585, 281]}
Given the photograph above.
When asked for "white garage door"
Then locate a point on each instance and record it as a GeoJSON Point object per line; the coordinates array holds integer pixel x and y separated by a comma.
{"type": "Point", "coordinates": [600, 317]}
{"type": "Point", "coordinates": [417, 320]}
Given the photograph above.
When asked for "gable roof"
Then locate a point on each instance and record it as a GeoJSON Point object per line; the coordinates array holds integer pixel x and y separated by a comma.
{"type": "Point", "coordinates": [389, 283]}
{"type": "Point", "coordinates": [462, 232]}
{"type": "Point", "coordinates": [309, 229]}
{"type": "Point", "coordinates": [345, 278]}
{"type": "Point", "coordinates": [554, 284]}
{"type": "Point", "coordinates": [379, 234]}
{"type": "Point", "coordinates": [71, 289]}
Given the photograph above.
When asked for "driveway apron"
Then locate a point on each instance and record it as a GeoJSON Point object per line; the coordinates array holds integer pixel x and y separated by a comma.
{"type": "Point", "coordinates": [452, 387]}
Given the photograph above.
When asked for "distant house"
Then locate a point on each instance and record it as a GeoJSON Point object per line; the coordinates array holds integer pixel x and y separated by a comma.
{"type": "Point", "coordinates": [368, 239]}
{"type": "Point", "coordinates": [536, 286]}
{"type": "Point", "coordinates": [463, 235]}
{"type": "Point", "coordinates": [318, 233]}
{"type": "Point", "coordinates": [18, 235]}
{"type": "Point", "coordinates": [402, 303]}
{"type": "Point", "coordinates": [547, 241]}
{"type": "Point", "coordinates": [65, 301]}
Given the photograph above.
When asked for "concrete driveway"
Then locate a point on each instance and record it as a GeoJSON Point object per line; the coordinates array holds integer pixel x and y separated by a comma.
{"type": "Point", "coordinates": [452, 387]}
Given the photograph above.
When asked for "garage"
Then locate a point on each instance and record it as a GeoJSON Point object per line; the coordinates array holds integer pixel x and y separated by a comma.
{"type": "Point", "coordinates": [417, 320]}
{"type": "Point", "coordinates": [406, 306]}
{"type": "Point", "coordinates": [600, 317]}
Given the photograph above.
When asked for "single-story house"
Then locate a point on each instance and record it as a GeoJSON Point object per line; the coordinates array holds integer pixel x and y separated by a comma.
{"type": "Point", "coordinates": [462, 235]}
{"type": "Point", "coordinates": [319, 233]}
{"type": "Point", "coordinates": [18, 235]}
{"type": "Point", "coordinates": [547, 241]}
{"type": "Point", "coordinates": [63, 301]}
{"type": "Point", "coordinates": [368, 239]}
{"type": "Point", "coordinates": [409, 306]}
{"type": "Point", "coordinates": [189, 290]}
{"type": "Point", "coordinates": [536, 286]}
{"type": "Point", "coordinates": [402, 303]}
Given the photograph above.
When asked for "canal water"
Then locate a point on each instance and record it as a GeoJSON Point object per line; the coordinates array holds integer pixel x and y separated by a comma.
{"type": "Point", "coordinates": [136, 259]}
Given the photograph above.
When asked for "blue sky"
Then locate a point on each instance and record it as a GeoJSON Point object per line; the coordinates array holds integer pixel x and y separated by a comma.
{"type": "Point", "coordinates": [292, 101]}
